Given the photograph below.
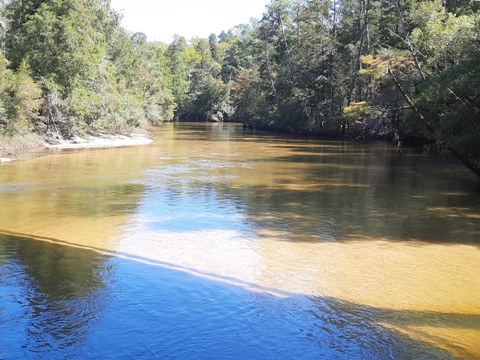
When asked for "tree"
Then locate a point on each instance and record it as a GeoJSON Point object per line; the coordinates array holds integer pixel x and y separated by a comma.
{"type": "Point", "coordinates": [437, 78]}
{"type": "Point", "coordinates": [47, 36]}
{"type": "Point", "coordinates": [20, 100]}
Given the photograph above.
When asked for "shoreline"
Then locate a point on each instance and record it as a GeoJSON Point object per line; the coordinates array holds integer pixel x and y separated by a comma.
{"type": "Point", "coordinates": [15, 152]}
{"type": "Point", "coordinates": [11, 146]}
{"type": "Point", "coordinates": [105, 141]}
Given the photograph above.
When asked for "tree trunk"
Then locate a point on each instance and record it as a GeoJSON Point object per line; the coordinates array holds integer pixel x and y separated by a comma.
{"type": "Point", "coordinates": [272, 82]}
{"type": "Point", "coordinates": [407, 41]}
{"type": "Point", "coordinates": [465, 161]}
{"type": "Point", "coordinates": [360, 46]}
{"type": "Point", "coordinates": [358, 62]}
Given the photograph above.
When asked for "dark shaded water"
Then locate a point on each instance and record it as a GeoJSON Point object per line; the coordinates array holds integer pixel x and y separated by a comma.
{"type": "Point", "coordinates": [214, 243]}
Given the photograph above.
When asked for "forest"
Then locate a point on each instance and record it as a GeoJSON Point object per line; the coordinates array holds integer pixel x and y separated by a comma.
{"type": "Point", "coordinates": [400, 70]}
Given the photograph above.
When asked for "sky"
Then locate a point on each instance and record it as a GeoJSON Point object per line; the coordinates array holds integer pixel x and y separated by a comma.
{"type": "Point", "coordinates": [160, 20]}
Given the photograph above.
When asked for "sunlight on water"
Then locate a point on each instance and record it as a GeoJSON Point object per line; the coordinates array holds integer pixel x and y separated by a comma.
{"type": "Point", "coordinates": [393, 240]}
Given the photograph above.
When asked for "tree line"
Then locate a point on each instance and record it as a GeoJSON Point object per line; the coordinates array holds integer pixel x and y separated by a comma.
{"type": "Point", "coordinates": [394, 69]}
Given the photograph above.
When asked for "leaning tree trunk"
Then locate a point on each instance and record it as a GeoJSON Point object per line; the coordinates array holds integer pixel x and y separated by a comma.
{"type": "Point", "coordinates": [407, 41]}
{"type": "Point", "coordinates": [465, 161]}
{"type": "Point", "coordinates": [430, 127]}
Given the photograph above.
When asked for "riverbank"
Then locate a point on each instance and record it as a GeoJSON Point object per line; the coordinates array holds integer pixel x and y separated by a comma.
{"type": "Point", "coordinates": [13, 147]}
{"type": "Point", "coordinates": [101, 141]}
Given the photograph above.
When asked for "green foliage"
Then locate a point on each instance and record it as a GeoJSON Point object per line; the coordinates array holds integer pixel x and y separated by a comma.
{"type": "Point", "coordinates": [451, 102]}
{"type": "Point", "coordinates": [20, 99]}
{"type": "Point", "coordinates": [356, 110]}
{"type": "Point", "coordinates": [442, 38]}
{"type": "Point", "coordinates": [50, 40]}
{"type": "Point", "coordinates": [182, 61]}
{"type": "Point", "coordinates": [141, 69]}
{"type": "Point", "coordinates": [62, 81]}
{"type": "Point", "coordinates": [248, 97]}
{"type": "Point", "coordinates": [25, 99]}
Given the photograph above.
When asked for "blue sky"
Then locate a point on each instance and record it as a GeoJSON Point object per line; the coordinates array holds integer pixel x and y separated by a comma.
{"type": "Point", "coordinates": [161, 19]}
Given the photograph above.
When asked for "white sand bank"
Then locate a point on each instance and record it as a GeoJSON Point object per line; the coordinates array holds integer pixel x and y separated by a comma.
{"type": "Point", "coordinates": [102, 142]}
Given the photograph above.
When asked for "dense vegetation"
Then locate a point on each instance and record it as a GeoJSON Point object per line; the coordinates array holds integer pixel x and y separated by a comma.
{"type": "Point", "coordinates": [68, 68]}
{"type": "Point", "coordinates": [358, 68]}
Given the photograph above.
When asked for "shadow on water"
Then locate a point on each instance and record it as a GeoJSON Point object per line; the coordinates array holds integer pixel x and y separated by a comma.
{"type": "Point", "coordinates": [340, 190]}
{"type": "Point", "coordinates": [343, 213]}
{"type": "Point", "coordinates": [64, 302]}
{"type": "Point", "coordinates": [50, 297]}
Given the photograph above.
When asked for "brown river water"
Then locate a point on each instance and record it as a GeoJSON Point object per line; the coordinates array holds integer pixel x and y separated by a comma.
{"type": "Point", "coordinates": [227, 243]}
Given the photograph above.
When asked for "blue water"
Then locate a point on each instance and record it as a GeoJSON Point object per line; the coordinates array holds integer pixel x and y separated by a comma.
{"type": "Point", "coordinates": [59, 302]}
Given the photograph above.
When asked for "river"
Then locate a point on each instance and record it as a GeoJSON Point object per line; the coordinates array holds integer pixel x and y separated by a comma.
{"type": "Point", "coordinates": [216, 242]}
